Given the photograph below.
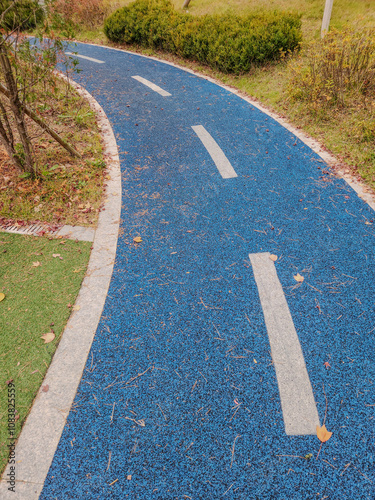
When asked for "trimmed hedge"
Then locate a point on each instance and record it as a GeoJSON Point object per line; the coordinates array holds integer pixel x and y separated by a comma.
{"type": "Point", "coordinates": [229, 43]}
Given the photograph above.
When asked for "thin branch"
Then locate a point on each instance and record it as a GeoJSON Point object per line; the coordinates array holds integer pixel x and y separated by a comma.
{"type": "Point", "coordinates": [234, 444]}
{"type": "Point", "coordinates": [43, 125]}
{"type": "Point", "coordinates": [4, 139]}
{"type": "Point", "coordinates": [325, 413]}
{"type": "Point", "coordinates": [7, 10]}
{"type": "Point", "coordinates": [7, 124]}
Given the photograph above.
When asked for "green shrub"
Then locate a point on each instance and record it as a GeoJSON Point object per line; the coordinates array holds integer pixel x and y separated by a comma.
{"type": "Point", "coordinates": [228, 43]}
{"type": "Point", "coordinates": [335, 70]}
{"type": "Point", "coordinates": [25, 14]}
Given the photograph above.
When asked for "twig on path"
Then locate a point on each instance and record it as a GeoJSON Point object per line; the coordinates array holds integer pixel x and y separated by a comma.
{"type": "Point", "coordinates": [220, 337]}
{"type": "Point", "coordinates": [228, 489]}
{"type": "Point", "coordinates": [234, 444]}
{"type": "Point", "coordinates": [346, 466]}
{"type": "Point", "coordinates": [203, 376]}
{"type": "Point", "coordinates": [325, 414]}
{"type": "Point", "coordinates": [364, 475]}
{"type": "Point", "coordinates": [109, 461]}
{"type": "Point", "coordinates": [326, 461]}
{"type": "Point", "coordinates": [203, 304]}
{"type": "Point", "coordinates": [195, 383]}
{"type": "Point", "coordinates": [131, 380]}
{"type": "Point", "coordinates": [138, 422]}
{"type": "Point", "coordinates": [209, 307]}
{"type": "Point", "coordinates": [113, 410]}
{"type": "Point", "coordinates": [238, 407]}
{"type": "Point", "coordinates": [324, 421]}
{"type": "Point", "coordinates": [162, 411]}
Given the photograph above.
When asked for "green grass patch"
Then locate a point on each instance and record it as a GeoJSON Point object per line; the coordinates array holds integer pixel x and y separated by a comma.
{"type": "Point", "coordinates": [39, 289]}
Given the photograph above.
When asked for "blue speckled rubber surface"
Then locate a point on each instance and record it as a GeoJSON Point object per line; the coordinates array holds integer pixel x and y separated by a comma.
{"type": "Point", "coordinates": [179, 398]}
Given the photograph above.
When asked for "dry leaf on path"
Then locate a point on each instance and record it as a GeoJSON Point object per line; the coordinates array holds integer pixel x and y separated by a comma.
{"type": "Point", "coordinates": [76, 308]}
{"type": "Point", "coordinates": [2, 296]}
{"type": "Point", "coordinates": [137, 239]}
{"type": "Point", "coordinates": [45, 388]}
{"type": "Point", "coordinates": [299, 278]}
{"type": "Point", "coordinates": [48, 337]}
{"type": "Point", "coordinates": [322, 433]}
{"type": "Point", "coordinates": [273, 257]}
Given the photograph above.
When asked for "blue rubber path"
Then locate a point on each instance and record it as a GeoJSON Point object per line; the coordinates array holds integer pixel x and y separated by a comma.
{"type": "Point", "coordinates": [179, 398]}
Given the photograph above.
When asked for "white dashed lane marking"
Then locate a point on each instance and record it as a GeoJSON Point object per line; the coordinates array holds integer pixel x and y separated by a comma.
{"type": "Point", "coordinates": [221, 161]}
{"type": "Point", "coordinates": [85, 57]}
{"type": "Point", "coordinates": [152, 86]}
{"type": "Point", "coordinates": [296, 395]}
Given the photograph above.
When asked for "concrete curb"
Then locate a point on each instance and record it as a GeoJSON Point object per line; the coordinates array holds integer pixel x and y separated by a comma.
{"type": "Point", "coordinates": [42, 430]}
{"type": "Point", "coordinates": [79, 233]}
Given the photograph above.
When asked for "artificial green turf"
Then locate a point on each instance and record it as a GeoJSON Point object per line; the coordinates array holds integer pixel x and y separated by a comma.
{"type": "Point", "coordinates": [36, 300]}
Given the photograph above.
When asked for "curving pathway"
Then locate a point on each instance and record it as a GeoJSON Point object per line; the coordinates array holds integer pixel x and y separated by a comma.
{"type": "Point", "coordinates": [240, 312]}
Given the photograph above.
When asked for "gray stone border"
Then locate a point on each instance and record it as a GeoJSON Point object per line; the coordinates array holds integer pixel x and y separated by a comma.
{"type": "Point", "coordinates": [79, 233]}
{"type": "Point", "coordinates": [42, 430]}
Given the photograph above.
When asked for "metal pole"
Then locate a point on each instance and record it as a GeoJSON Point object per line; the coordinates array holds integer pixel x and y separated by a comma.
{"type": "Point", "coordinates": [326, 17]}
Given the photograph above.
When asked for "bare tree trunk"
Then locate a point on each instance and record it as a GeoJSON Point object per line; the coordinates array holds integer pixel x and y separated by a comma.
{"type": "Point", "coordinates": [7, 142]}
{"type": "Point", "coordinates": [44, 125]}
{"type": "Point", "coordinates": [326, 18]}
{"type": "Point", "coordinates": [9, 128]}
{"type": "Point", "coordinates": [17, 110]}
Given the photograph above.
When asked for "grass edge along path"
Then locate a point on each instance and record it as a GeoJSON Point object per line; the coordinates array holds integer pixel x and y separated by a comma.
{"type": "Point", "coordinates": [40, 278]}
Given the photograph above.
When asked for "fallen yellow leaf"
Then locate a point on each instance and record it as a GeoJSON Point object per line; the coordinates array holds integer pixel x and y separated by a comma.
{"type": "Point", "coordinates": [137, 239]}
{"type": "Point", "coordinates": [322, 433]}
{"type": "Point", "coordinates": [76, 308]}
{"type": "Point", "coordinates": [2, 296]}
{"type": "Point", "coordinates": [48, 337]}
{"type": "Point", "coordinates": [299, 278]}
{"type": "Point", "coordinates": [273, 257]}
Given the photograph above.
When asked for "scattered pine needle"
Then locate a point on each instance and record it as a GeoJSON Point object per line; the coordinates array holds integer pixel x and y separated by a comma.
{"type": "Point", "coordinates": [234, 444]}
{"type": "Point", "coordinates": [109, 460]}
